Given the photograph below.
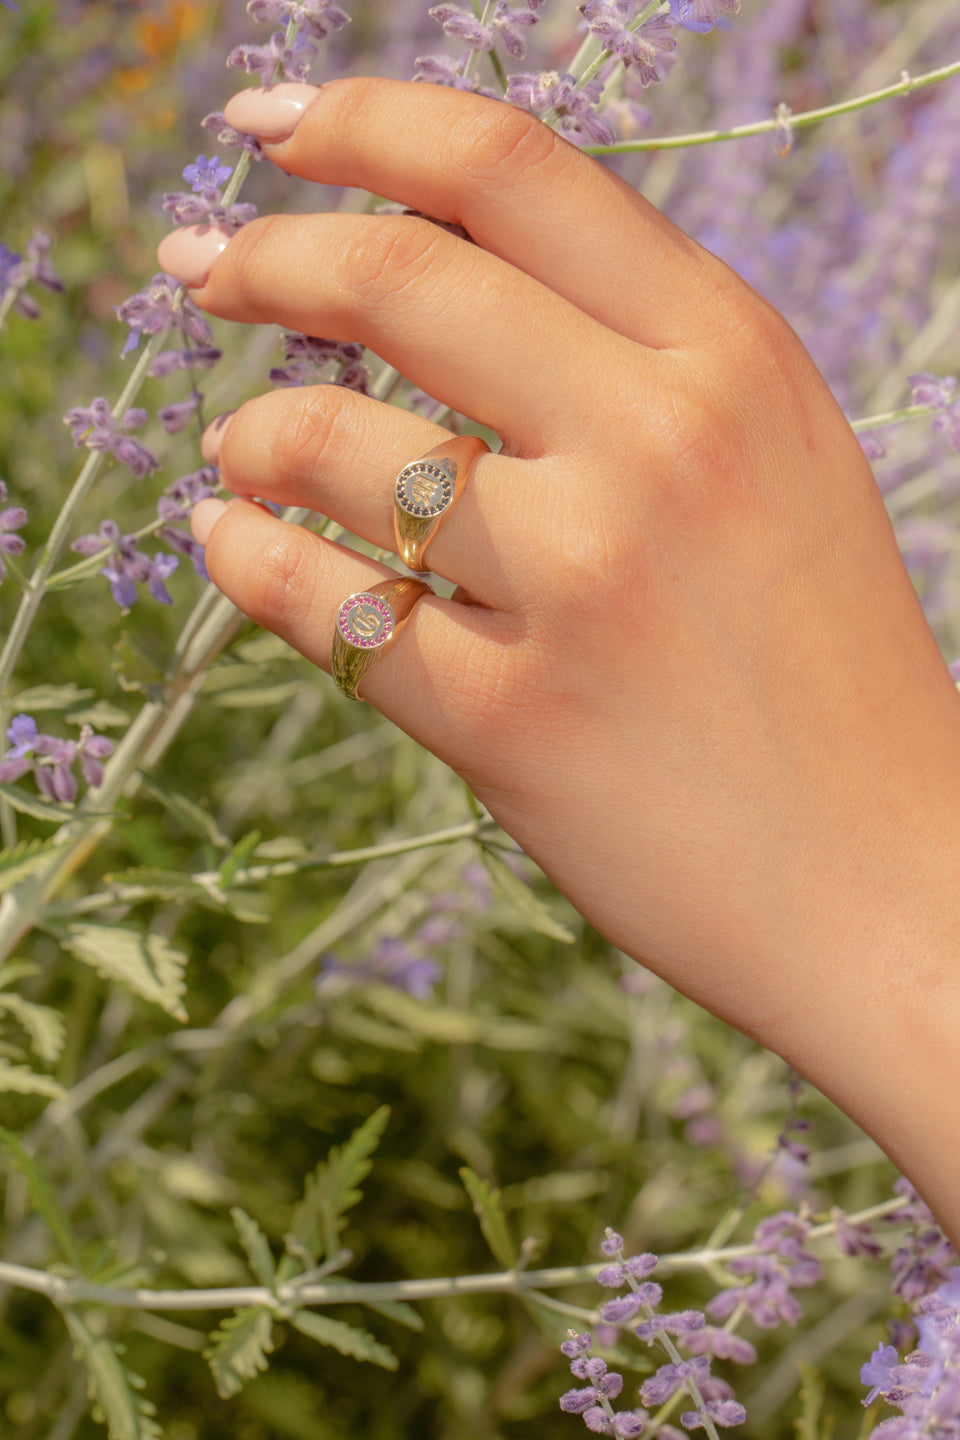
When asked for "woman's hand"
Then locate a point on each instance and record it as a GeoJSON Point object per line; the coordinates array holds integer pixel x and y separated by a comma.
{"type": "Point", "coordinates": [685, 667]}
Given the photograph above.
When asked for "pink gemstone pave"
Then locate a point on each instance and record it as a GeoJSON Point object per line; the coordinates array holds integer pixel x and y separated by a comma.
{"type": "Point", "coordinates": [363, 642]}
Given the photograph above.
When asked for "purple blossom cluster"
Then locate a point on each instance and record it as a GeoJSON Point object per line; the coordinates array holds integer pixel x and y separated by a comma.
{"type": "Point", "coordinates": [407, 964]}
{"type": "Point", "coordinates": [941, 393]}
{"type": "Point", "coordinates": [282, 57]}
{"type": "Point", "coordinates": [34, 266]}
{"type": "Point", "coordinates": [925, 1386]}
{"type": "Point", "coordinates": [204, 204]}
{"type": "Point", "coordinates": [12, 519]}
{"type": "Point", "coordinates": [306, 358]}
{"type": "Point", "coordinates": [156, 310]}
{"type": "Point", "coordinates": [713, 1400]}
{"type": "Point", "coordinates": [647, 48]}
{"type": "Point", "coordinates": [128, 566]}
{"type": "Point", "coordinates": [95, 426]}
{"type": "Point", "coordinates": [52, 759]}
{"type": "Point", "coordinates": [781, 1264]}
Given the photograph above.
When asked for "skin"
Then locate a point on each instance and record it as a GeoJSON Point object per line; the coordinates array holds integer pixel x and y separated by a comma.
{"type": "Point", "coordinates": [685, 667]}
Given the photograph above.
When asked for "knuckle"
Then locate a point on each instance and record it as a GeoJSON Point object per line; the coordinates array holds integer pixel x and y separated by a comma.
{"type": "Point", "coordinates": [250, 259]}
{"type": "Point", "coordinates": [507, 147]}
{"type": "Point", "coordinates": [283, 585]}
{"type": "Point", "coordinates": [305, 433]}
{"type": "Point", "coordinates": [392, 255]}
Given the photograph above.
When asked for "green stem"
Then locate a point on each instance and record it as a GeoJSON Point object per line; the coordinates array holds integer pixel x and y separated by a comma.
{"type": "Point", "coordinates": [904, 86]}
{"type": "Point", "coordinates": [132, 894]}
{"type": "Point", "coordinates": [64, 1291]}
{"type": "Point", "coordinates": [37, 585]}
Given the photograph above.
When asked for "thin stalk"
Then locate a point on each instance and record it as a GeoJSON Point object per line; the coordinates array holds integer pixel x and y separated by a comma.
{"type": "Point", "coordinates": [904, 86]}
{"type": "Point", "coordinates": [122, 894]}
{"type": "Point", "coordinates": [64, 1290]}
{"type": "Point", "coordinates": [32, 598]}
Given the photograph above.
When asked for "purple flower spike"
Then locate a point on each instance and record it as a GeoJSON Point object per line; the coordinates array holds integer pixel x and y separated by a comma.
{"type": "Point", "coordinates": [276, 60]}
{"type": "Point", "coordinates": [11, 520]}
{"type": "Point", "coordinates": [94, 426]}
{"type": "Point", "coordinates": [312, 17]}
{"type": "Point", "coordinates": [51, 759]}
{"type": "Point", "coordinates": [702, 15]}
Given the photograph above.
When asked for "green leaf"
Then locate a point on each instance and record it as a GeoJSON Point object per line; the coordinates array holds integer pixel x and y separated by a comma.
{"type": "Point", "coordinates": [101, 716]}
{"type": "Point", "coordinates": [22, 860]}
{"type": "Point", "coordinates": [238, 857]}
{"type": "Point", "coordinates": [282, 847]}
{"type": "Point", "coordinates": [238, 1350]}
{"type": "Point", "coordinates": [399, 1311]}
{"type": "Point", "coordinates": [21, 1080]}
{"type": "Point", "coordinates": [488, 1209]}
{"type": "Point", "coordinates": [262, 695]}
{"type": "Point", "coordinates": [50, 697]}
{"type": "Point", "coordinates": [147, 963]}
{"type": "Point", "coordinates": [112, 1389]}
{"type": "Point", "coordinates": [345, 1338]}
{"type": "Point", "coordinates": [43, 1025]}
{"type": "Point", "coordinates": [255, 1244]}
{"type": "Point", "coordinates": [32, 805]}
{"type": "Point", "coordinates": [811, 1423]}
{"type": "Point", "coordinates": [528, 906]}
{"type": "Point", "coordinates": [331, 1190]}
{"type": "Point", "coordinates": [187, 812]}
{"type": "Point", "coordinates": [44, 1197]}
{"type": "Point", "coordinates": [155, 885]}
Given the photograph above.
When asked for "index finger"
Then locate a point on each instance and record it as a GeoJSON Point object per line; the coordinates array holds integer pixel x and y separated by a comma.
{"type": "Point", "coordinates": [519, 189]}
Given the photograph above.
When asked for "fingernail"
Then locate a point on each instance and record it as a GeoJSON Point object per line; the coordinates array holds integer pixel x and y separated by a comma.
{"type": "Point", "coordinates": [273, 113]}
{"type": "Point", "coordinates": [212, 437]}
{"type": "Point", "coordinates": [204, 516]}
{"type": "Point", "coordinates": [188, 254]}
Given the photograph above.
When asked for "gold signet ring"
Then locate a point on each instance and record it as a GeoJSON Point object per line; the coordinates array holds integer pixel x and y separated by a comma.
{"type": "Point", "coordinates": [427, 490]}
{"type": "Point", "coordinates": [367, 624]}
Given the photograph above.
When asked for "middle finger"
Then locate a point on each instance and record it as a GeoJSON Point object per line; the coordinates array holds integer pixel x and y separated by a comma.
{"type": "Point", "coordinates": [467, 327]}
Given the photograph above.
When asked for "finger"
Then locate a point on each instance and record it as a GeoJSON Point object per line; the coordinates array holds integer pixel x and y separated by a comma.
{"type": "Point", "coordinates": [338, 452]}
{"type": "Point", "coordinates": [465, 326]}
{"type": "Point", "coordinates": [519, 189]}
{"type": "Point", "coordinates": [293, 582]}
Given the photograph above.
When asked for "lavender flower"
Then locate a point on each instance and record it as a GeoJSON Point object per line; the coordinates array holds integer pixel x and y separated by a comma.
{"type": "Point", "coordinates": [575, 104]}
{"type": "Point", "coordinates": [307, 357]}
{"type": "Point", "coordinates": [128, 566]}
{"type": "Point", "coordinates": [444, 70]}
{"type": "Point", "coordinates": [462, 25]}
{"type": "Point", "coordinates": [701, 15]}
{"type": "Point", "coordinates": [204, 204]}
{"type": "Point", "coordinates": [155, 310]}
{"type": "Point", "coordinates": [226, 135]}
{"type": "Point", "coordinates": [392, 962]}
{"type": "Point", "coordinates": [312, 17]}
{"type": "Point", "coordinates": [11, 519]}
{"type": "Point", "coordinates": [180, 414]}
{"type": "Point", "coordinates": [940, 392]}
{"type": "Point", "coordinates": [34, 266]}
{"type": "Point", "coordinates": [782, 1265]}
{"type": "Point", "coordinates": [52, 759]}
{"type": "Point", "coordinates": [94, 426]}
{"type": "Point", "coordinates": [645, 48]}
{"type": "Point", "coordinates": [277, 59]}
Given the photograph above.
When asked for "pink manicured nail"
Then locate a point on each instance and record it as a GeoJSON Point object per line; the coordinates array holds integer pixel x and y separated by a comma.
{"type": "Point", "coordinates": [188, 254]}
{"type": "Point", "coordinates": [212, 437]}
{"type": "Point", "coordinates": [204, 516]}
{"type": "Point", "coordinates": [273, 113]}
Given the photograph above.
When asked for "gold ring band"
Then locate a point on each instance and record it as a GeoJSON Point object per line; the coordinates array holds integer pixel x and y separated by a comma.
{"type": "Point", "coordinates": [427, 490]}
{"type": "Point", "coordinates": [368, 623]}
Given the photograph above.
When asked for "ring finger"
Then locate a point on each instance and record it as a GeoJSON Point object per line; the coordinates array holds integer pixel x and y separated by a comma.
{"type": "Point", "coordinates": [338, 452]}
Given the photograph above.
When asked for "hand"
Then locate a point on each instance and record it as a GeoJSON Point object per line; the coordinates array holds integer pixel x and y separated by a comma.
{"type": "Point", "coordinates": [685, 667]}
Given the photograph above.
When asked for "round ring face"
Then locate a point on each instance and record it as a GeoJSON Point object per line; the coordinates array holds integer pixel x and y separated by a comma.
{"type": "Point", "coordinates": [365, 621]}
{"type": "Point", "coordinates": [424, 489]}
